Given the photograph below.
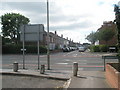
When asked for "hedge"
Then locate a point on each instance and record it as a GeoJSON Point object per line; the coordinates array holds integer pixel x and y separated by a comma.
{"type": "Point", "coordinates": [16, 49]}
{"type": "Point", "coordinates": [99, 48]}
{"type": "Point", "coordinates": [104, 48]}
{"type": "Point", "coordinates": [95, 48]}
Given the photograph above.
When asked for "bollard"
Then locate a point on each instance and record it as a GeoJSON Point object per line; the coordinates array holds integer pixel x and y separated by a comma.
{"type": "Point", "coordinates": [15, 66]}
{"type": "Point", "coordinates": [75, 68]}
{"type": "Point", "coordinates": [42, 69]}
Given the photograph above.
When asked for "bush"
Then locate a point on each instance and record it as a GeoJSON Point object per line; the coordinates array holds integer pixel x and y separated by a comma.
{"type": "Point", "coordinates": [16, 49]}
{"type": "Point", "coordinates": [95, 48]}
{"type": "Point", "coordinates": [99, 48]}
{"type": "Point", "coordinates": [11, 49]}
{"type": "Point", "coordinates": [103, 48]}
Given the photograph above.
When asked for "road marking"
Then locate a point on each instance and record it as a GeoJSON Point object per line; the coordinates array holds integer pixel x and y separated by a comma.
{"type": "Point", "coordinates": [63, 63]}
{"type": "Point", "coordinates": [91, 66]}
{"type": "Point", "coordinates": [74, 55]}
{"type": "Point", "coordinates": [83, 63]}
{"type": "Point", "coordinates": [66, 59]}
{"type": "Point", "coordinates": [42, 56]}
{"type": "Point", "coordinates": [80, 68]}
{"type": "Point", "coordinates": [82, 60]}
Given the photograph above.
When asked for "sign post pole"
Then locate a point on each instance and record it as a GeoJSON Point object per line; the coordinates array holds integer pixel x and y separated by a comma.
{"type": "Point", "coordinates": [24, 47]}
{"type": "Point", "coordinates": [32, 33]}
{"type": "Point", "coordinates": [38, 47]}
{"type": "Point", "coordinates": [48, 52]}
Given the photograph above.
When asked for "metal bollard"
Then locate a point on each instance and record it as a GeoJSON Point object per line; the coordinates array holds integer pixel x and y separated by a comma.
{"type": "Point", "coordinates": [42, 69]}
{"type": "Point", "coordinates": [15, 66]}
{"type": "Point", "coordinates": [75, 68]}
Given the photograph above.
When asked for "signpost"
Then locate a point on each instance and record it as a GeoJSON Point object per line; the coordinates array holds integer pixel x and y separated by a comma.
{"type": "Point", "coordinates": [31, 33]}
{"type": "Point", "coordinates": [48, 52]}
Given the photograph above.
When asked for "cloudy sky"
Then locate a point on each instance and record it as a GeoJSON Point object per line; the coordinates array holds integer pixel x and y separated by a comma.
{"type": "Point", "coordinates": [74, 19]}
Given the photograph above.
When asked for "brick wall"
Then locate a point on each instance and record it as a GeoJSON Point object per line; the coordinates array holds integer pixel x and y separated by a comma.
{"type": "Point", "coordinates": [112, 76]}
{"type": "Point", "coordinates": [113, 41]}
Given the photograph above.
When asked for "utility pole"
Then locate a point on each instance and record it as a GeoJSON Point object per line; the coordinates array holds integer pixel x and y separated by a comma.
{"type": "Point", "coordinates": [48, 51]}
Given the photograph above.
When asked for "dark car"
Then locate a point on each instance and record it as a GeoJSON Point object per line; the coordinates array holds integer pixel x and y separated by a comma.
{"type": "Point", "coordinates": [66, 49]}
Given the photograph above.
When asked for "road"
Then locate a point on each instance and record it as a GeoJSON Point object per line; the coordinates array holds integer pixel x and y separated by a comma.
{"type": "Point", "coordinates": [59, 61]}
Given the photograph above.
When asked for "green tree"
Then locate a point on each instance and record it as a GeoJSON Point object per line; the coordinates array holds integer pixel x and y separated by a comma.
{"type": "Point", "coordinates": [117, 20]}
{"type": "Point", "coordinates": [106, 34]}
{"type": "Point", "coordinates": [92, 37]}
{"type": "Point", "coordinates": [10, 24]}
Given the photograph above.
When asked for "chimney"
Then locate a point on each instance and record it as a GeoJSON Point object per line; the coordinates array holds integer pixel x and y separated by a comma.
{"type": "Point", "coordinates": [67, 38]}
{"type": "Point", "coordinates": [55, 32]}
{"type": "Point", "coordinates": [62, 35]}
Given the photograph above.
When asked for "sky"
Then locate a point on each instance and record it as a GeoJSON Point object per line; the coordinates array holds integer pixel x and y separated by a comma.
{"type": "Point", "coordinates": [74, 19]}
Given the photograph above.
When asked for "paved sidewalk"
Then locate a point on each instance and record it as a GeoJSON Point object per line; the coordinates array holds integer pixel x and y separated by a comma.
{"type": "Point", "coordinates": [85, 79]}
{"type": "Point", "coordinates": [54, 74]}
{"type": "Point", "coordinates": [33, 78]}
{"type": "Point", "coordinates": [89, 79]}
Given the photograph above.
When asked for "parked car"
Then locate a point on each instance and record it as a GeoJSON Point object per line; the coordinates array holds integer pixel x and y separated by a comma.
{"type": "Point", "coordinates": [81, 49]}
{"type": "Point", "coordinates": [66, 49]}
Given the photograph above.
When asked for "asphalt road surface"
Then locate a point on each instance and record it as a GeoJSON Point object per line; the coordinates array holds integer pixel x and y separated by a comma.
{"type": "Point", "coordinates": [59, 61]}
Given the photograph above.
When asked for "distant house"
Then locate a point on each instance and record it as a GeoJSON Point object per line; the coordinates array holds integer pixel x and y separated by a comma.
{"type": "Point", "coordinates": [112, 25]}
{"type": "Point", "coordinates": [31, 37]}
{"type": "Point", "coordinates": [57, 42]}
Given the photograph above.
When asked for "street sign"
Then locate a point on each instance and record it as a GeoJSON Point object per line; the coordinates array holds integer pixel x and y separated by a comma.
{"type": "Point", "coordinates": [23, 49]}
{"type": "Point", "coordinates": [31, 33]}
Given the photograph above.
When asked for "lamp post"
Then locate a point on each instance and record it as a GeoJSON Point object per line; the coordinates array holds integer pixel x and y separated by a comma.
{"type": "Point", "coordinates": [48, 52]}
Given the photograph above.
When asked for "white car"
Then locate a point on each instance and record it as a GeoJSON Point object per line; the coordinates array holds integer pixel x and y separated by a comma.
{"type": "Point", "coordinates": [81, 49]}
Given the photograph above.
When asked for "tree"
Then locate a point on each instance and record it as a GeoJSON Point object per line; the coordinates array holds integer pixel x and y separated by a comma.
{"type": "Point", "coordinates": [117, 20]}
{"type": "Point", "coordinates": [92, 37]}
{"type": "Point", "coordinates": [106, 34]}
{"type": "Point", "coordinates": [10, 24]}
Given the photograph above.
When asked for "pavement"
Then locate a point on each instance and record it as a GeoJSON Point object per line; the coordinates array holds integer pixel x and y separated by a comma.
{"type": "Point", "coordinates": [53, 74]}
{"type": "Point", "coordinates": [84, 79]}
{"type": "Point", "coordinates": [89, 79]}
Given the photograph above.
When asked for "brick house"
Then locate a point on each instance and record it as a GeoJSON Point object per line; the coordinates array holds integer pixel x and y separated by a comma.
{"type": "Point", "coordinates": [112, 25]}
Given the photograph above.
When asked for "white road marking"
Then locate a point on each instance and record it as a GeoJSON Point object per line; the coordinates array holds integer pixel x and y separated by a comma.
{"type": "Point", "coordinates": [82, 63]}
{"type": "Point", "coordinates": [74, 55]}
{"type": "Point", "coordinates": [63, 63]}
{"type": "Point", "coordinates": [82, 60]}
{"type": "Point", "coordinates": [66, 59]}
{"type": "Point", "coordinates": [68, 53]}
{"type": "Point", "coordinates": [42, 56]}
{"type": "Point", "coordinates": [80, 68]}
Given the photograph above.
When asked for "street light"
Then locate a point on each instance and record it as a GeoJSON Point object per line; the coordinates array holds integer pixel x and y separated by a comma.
{"type": "Point", "coordinates": [48, 52]}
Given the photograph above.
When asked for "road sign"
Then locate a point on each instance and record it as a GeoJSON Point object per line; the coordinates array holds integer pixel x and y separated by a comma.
{"type": "Point", "coordinates": [32, 32]}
